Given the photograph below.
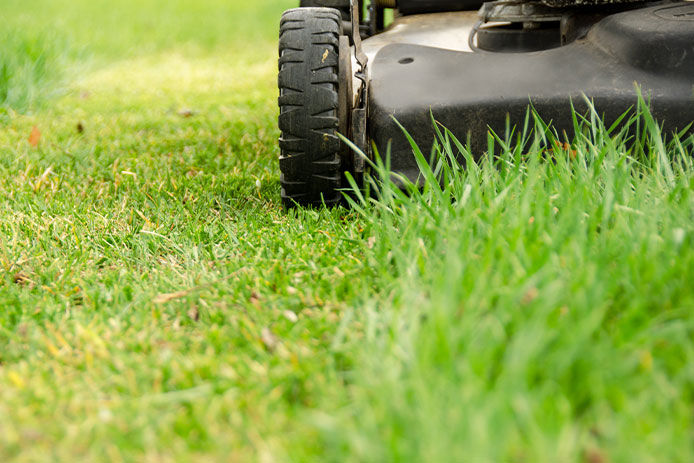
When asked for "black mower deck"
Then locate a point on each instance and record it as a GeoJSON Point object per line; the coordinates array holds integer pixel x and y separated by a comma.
{"type": "Point", "coordinates": [472, 92]}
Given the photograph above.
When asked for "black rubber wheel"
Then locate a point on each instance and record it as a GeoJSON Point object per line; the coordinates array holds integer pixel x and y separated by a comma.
{"type": "Point", "coordinates": [310, 161]}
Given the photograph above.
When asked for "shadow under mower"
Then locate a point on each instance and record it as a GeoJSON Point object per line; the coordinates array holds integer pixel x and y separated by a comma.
{"type": "Point", "coordinates": [474, 65]}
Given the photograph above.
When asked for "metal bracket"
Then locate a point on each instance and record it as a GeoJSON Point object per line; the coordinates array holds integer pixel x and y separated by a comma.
{"type": "Point", "coordinates": [356, 35]}
{"type": "Point", "coordinates": [359, 113]}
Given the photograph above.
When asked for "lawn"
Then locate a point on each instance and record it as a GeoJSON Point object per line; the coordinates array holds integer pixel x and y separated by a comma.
{"type": "Point", "coordinates": [158, 304]}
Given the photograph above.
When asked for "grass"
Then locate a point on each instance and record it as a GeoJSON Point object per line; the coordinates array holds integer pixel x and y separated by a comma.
{"type": "Point", "coordinates": [31, 68]}
{"type": "Point", "coordinates": [158, 304]}
{"type": "Point", "coordinates": [540, 310]}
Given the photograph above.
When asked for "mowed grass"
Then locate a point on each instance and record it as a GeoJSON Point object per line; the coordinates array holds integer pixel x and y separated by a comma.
{"type": "Point", "coordinates": [158, 304]}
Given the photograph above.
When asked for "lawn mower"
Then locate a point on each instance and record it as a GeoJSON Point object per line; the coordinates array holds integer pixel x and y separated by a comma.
{"type": "Point", "coordinates": [362, 70]}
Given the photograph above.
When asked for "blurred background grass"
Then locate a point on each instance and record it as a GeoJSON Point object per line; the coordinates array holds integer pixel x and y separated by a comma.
{"type": "Point", "coordinates": [32, 66]}
{"type": "Point", "coordinates": [48, 44]}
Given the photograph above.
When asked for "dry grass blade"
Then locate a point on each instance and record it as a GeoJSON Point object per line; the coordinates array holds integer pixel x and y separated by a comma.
{"type": "Point", "coordinates": [168, 297]}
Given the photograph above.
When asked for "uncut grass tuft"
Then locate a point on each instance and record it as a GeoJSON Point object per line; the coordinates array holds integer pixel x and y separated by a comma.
{"type": "Point", "coordinates": [537, 304]}
{"type": "Point", "coordinates": [32, 66]}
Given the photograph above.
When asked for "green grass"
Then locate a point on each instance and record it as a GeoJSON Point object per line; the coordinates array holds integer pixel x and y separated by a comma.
{"type": "Point", "coordinates": [158, 304]}
{"type": "Point", "coordinates": [31, 68]}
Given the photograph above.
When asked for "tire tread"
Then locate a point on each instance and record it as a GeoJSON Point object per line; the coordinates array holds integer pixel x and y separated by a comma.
{"type": "Point", "coordinates": [309, 160]}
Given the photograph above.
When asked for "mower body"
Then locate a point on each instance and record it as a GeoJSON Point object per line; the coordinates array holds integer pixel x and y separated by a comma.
{"type": "Point", "coordinates": [648, 50]}
{"type": "Point", "coordinates": [476, 68]}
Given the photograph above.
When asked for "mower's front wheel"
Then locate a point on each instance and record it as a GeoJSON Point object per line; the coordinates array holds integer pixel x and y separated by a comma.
{"type": "Point", "coordinates": [310, 161]}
